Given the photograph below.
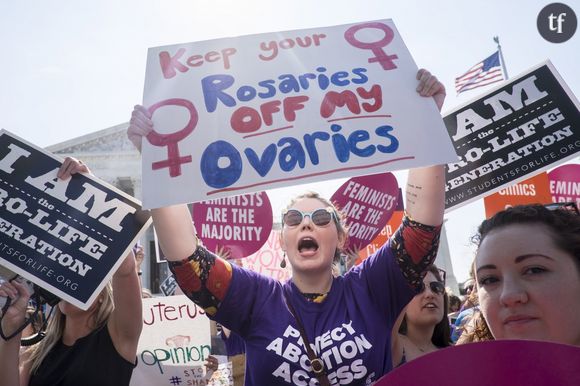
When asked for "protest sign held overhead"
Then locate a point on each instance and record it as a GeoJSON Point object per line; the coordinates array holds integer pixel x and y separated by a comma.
{"type": "Point", "coordinates": [565, 183]}
{"type": "Point", "coordinates": [519, 129]}
{"type": "Point", "coordinates": [235, 226]}
{"type": "Point", "coordinates": [368, 203]}
{"type": "Point", "coordinates": [67, 236]}
{"type": "Point", "coordinates": [534, 190]}
{"type": "Point", "coordinates": [245, 114]}
{"type": "Point", "coordinates": [174, 343]}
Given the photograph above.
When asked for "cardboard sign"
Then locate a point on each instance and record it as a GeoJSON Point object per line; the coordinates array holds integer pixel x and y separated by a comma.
{"type": "Point", "coordinates": [256, 112]}
{"type": "Point", "coordinates": [531, 191]}
{"type": "Point", "coordinates": [174, 344]}
{"type": "Point", "coordinates": [519, 129]}
{"type": "Point", "coordinates": [498, 363]}
{"type": "Point", "coordinates": [237, 226]}
{"type": "Point", "coordinates": [565, 183]}
{"type": "Point", "coordinates": [368, 203]}
{"type": "Point", "coordinates": [267, 260]}
{"type": "Point", "coordinates": [67, 236]}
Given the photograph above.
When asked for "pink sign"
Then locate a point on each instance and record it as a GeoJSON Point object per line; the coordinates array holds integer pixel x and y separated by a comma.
{"type": "Point", "coordinates": [565, 183]}
{"type": "Point", "coordinates": [368, 203]}
{"type": "Point", "coordinates": [497, 363]}
{"type": "Point", "coordinates": [267, 260]}
{"type": "Point", "coordinates": [238, 226]}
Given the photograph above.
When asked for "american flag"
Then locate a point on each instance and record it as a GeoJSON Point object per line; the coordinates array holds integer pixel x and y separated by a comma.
{"type": "Point", "coordinates": [483, 73]}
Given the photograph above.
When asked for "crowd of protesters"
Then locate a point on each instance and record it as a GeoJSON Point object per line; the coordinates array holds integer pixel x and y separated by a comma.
{"type": "Point", "coordinates": [394, 302]}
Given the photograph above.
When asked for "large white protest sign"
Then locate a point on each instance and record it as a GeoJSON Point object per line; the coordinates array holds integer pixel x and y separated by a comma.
{"type": "Point", "coordinates": [67, 236]}
{"type": "Point", "coordinates": [245, 114]}
{"type": "Point", "coordinates": [174, 344]}
{"type": "Point", "coordinates": [518, 129]}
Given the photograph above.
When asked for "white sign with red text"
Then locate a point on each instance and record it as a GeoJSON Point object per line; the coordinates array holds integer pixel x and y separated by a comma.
{"type": "Point", "coordinates": [174, 343]}
{"type": "Point", "coordinates": [244, 114]}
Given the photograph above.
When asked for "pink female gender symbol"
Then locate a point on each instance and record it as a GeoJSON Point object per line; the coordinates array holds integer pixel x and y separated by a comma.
{"type": "Point", "coordinates": [173, 161]}
{"type": "Point", "coordinates": [385, 60]}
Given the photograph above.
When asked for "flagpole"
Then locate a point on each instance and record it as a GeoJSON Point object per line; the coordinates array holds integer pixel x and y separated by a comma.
{"type": "Point", "coordinates": [496, 39]}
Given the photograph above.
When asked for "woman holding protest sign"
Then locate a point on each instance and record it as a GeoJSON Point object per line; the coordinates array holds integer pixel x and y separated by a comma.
{"type": "Point", "coordinates": [423, 326]}
{"type": "Point", "coordinates": [93, 347]}
{"type": "Point", "coordinates": [345, 318]}
{"type": "Point", "coordinates": [527, 270]}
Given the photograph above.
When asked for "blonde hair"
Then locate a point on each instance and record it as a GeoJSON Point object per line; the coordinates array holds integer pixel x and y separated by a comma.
{"type": "Point", "coordinates": [55, 329]}
{"type": "Point", "coordinates": [340, 222]}
{"type": "Point", "coordinates": [475, 329]}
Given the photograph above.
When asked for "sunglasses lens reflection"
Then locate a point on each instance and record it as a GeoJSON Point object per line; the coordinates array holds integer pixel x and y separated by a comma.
{"type": "Point", "coordinates": [319, 217]}
{"type": "Point", "coordinates": [293, 217]}
{"type": "Point", "coordinates": [437, 287]}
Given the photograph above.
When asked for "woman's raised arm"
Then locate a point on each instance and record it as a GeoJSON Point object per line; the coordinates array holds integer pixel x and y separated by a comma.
{"type": "Point", "coordinates": [425, 192]}
{"type": "Point", "coordinates": [201, 275]}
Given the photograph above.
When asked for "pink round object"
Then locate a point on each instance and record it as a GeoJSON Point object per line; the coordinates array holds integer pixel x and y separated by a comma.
{"type": "Point", "coordinates": [235, 226]}
{"type": "Point", "coordinates": [565, 183]}
{"type": "Point", "coordinates": [368, 203]}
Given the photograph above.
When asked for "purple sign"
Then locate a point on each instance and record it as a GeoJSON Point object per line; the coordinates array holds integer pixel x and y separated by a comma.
{"type": "Point", "coordinates": [368, 203]}
{"type": "Point", "coordinates": [497, 363]}
{"type": "Point", "coordinates": [234, 226]}
{"type": "Point", "coordinates": [565, 183]}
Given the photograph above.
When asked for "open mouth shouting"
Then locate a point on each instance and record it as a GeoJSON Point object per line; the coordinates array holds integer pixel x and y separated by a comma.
{"type": "Point", "coordinates": [307, 246]}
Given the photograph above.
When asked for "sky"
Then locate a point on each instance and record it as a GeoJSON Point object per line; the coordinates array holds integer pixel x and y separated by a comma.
{"type": "Point", "coordinates": [70, 68]}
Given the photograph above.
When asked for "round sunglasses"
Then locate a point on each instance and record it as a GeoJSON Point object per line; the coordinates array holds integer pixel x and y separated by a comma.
{"type": "Point", "coordinates": [320, 217]}
{"type": "Point", "coordinates": [436, 287]}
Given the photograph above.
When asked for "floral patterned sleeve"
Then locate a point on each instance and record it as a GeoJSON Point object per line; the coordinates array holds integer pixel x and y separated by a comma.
{"type": "Point", "coordinates": [415, 247]}
{"type": "Point", "coordinates": [204, 278]}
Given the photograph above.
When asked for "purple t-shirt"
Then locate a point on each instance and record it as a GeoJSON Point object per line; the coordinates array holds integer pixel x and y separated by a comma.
{"type": "Point", "coordinates": [234, 344]}
{"type": "Point", "coordinates": [350, 330]}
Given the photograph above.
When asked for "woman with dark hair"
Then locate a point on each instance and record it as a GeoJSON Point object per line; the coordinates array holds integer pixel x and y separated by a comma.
{"type": "Point", "coordinates": [527, 271]}
{"type": "Point", "coordinates": [423, 326]}
{"type": "Point", "coordinates": [454, 303]}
